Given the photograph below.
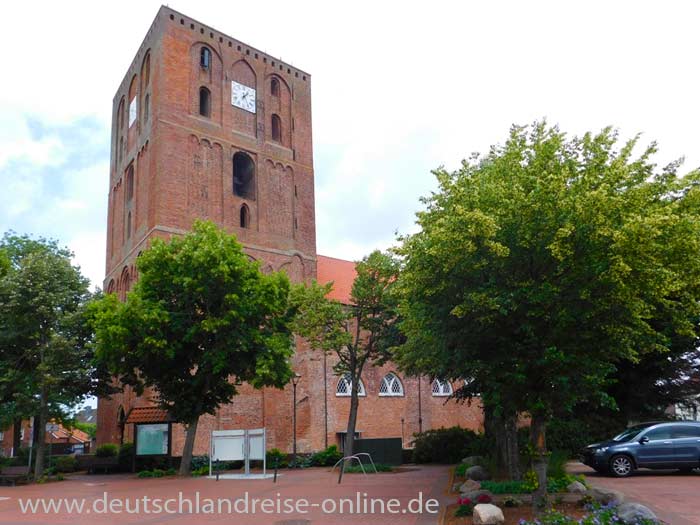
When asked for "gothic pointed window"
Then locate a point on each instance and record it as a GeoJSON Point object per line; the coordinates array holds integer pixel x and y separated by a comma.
{"type": "Point", "coordinates": [275, 87]}
{"type": "Point", "coordinates": [205, 58]}
{"type": "Point", "coordinates": [276, 128]}
{"type": "Point", "coordinates": [204, 102]}
{"type": "Point", "coordinates": [344, 387]}
{"type": "Point", "coordinates": [441, 388]}
{"type": "Point", "coordinates": [243, 176]}
{"type": "Point", "coordinates": [245, 216]}
{"type": "Point", "coordinates": [391, 385]}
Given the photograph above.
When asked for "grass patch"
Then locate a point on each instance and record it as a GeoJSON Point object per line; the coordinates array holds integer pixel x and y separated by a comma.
{"type": "Point", "coordinates": [354, 469]}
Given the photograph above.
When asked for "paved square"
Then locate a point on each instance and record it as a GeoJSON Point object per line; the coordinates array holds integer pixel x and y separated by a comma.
{"type": "Point", "coordinates": [314, 485]}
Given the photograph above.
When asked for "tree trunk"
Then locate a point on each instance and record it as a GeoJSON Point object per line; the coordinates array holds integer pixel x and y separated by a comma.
{"type": "Point", "coordinates": [349, 446]}
{"type": "Point", "coordinates": [511, 454]}
{"type": "Point", "coordinates": [503, 432]}
{"type": "Point", "coordinates": [540, 461]}
{"type": "Point", "coordinates": [16, 436]}
{"type": "Point", "coordinates": [188, 448]}
{"type": "Point", "coordinates": [39, 435]}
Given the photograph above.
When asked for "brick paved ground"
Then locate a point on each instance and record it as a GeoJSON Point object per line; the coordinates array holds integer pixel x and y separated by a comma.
{"type": "Point", "coordinates": [313, 484]}
{"type": "Point", "coordinates": [674, 497]}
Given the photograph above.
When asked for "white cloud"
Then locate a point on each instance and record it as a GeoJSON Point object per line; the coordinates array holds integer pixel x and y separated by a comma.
{"type": "Point", "coordinates": [398, 88]}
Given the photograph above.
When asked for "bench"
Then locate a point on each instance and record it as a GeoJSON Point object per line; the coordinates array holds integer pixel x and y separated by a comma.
{"type": "Point", "coordinates": [94, 464]}
{"type": "Point", "coordinates": [12, 475]}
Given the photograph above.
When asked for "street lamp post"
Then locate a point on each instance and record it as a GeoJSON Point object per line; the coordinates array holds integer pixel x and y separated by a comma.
{"type": "Point", "coordinates": [295, 381]}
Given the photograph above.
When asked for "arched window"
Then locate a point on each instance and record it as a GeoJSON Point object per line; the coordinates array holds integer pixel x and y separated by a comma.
{"type": "Point", "coordinates": [205, 58]}
{"type": "Point", "coordinates": [245, 217]}
{"type": "Point", "coordinates": [130, 183]}
{"type": "Point", "coordinates": [441, 388]}
{"type": "Point", "coordinates": [128, 225]}
{"type": "Point", "coordinates": [391, 385]}
{"type": "Point", "coordinates": [243, 176]}
{"type": "Point", "coordinates": [204, 102]}
{"type": "Point", "coordinates": [344, 388]}
{"type": "Point", "coordinates": [276, 128]}
{"type": "Point", "coordinates": [275, 87]}
{"type": "Point", "coordinates": [146, 107]}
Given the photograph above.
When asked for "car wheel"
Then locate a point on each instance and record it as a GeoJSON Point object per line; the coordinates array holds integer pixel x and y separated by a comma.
{"type": "Point", "coordinates": [686, 470]}
{"type": "Point", "coordinates": [621, 466]}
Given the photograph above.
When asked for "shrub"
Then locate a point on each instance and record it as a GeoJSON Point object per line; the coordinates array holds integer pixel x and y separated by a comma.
{"type": "Point", "coordinates": [483, 498]}
{"type": "Point", "coordinates": [201, 471]}
{"type": "Point", "coordinates": [145, 474]}
{"type": "Point", "coordinates": [510, 501]}
{"type": "Point", "coordinates": [447, 445]}
{"type": "Point", "coordinates": [530, 481]}
{"type": "Point", "coordinates": [108, 450]}
{"type": "Point", "coordinates": [66, 464]}
{"type": "Point", "coordinates": [466, 507]}
{"type": "Point", "coordinates": [461, 470]}
{"type": "Point", "coordinates": [126, 453]}
{"type": "Point", "coordinates": [326, 458]}
{"type": "Point", "coordinates": [276, 458]}
{"type": "Point", "coordinates": [354, 469]}
{"type": "Point", "coordinates": [557, 464]}
{"type": "Point", "coordinates": [170, 472]}
{"type": "Point", "coordinates": [199, 461]}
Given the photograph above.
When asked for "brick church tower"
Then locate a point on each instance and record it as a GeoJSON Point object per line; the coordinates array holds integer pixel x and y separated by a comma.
{"type": "Point", "coordinates": [205, 126]}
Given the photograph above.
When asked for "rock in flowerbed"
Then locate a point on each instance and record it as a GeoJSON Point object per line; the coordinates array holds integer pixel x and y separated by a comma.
{"type": "Point", "coordinates": [477, 473]}
{"type": "Point", "coordinates": [487, 514]}
{"type": "Point", "coordinates": [478, 496]}
{"type": "Point", "coordinates": [631, 513]}
{"type": "Point", "coordinates": [473, 460]}
{"type": "Point", "coordinates": [469, 486]}
{"type": "Point", "coordinates": [576, 487]}
{"type": "Point", "coordinates": [606, 496]}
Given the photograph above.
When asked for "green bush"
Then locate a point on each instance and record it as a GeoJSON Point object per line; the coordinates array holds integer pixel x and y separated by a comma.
{"type": "Point", "coordinates": [145, 474]}
{"type": "Point", "coordinates": [66, 464]}
{"type": "Point", "coordinates": [276, 458]}
{"type": "Point", "coordinates": [557, 463]}
{"type": "Point", "coordinates": [108, 450]}
{"type": "Point", "coordinates": [201, 471]}
{"type": "Point", "coordinates": [381, 467]}
{"type": "Point", "coordinates": [447, 445]}
{"type": "Point", "coordinates": [464, 510]}
{"type": "Point", "coordinates": [529, 484]}
{"type": "Point", "coordinates": [326, 458]}
{"type": "Point", "coordinates": [198, 462]}
{"type": "Point", "coordinates": [126, 454]}
{"type": "Point", "coordinates": [461, 470]}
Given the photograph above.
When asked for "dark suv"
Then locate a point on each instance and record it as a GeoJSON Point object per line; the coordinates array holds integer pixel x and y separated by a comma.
{"type": "Point", "coordinates": [668, 445]}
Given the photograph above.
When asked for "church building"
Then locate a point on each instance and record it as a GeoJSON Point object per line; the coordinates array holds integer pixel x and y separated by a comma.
{"type": "Point", "coordinates": [205, 126]}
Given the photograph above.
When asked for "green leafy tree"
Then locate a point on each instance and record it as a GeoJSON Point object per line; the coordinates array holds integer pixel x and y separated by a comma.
{"type": "Point", "coordinates": [543, 265]}
{"type": "Point", "coordinates": [357, 334]}
{"type": "Point", "coordinates": [46, 359]}
{"type": "Point", "coordinates": [200, 319]}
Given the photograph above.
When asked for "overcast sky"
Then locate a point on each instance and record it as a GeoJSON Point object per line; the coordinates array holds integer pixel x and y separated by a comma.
{"type": "Point", "coordinates": [398, 89]}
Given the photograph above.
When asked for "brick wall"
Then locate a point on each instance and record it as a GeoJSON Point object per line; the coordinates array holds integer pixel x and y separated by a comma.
{"type": "Point", "coordinates": [183, 168]}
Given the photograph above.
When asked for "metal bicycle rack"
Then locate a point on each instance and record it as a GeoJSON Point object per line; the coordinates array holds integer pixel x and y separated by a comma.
{"type": "Point", "coordinates": [356, 457]}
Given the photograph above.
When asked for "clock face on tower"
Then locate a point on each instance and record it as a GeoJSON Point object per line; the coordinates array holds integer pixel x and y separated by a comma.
{"type": "Point", "coordinates": [242, 96]}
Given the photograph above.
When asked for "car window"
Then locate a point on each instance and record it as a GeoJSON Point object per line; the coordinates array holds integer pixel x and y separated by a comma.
{"type": "Point", "coordinates": [659, 433]}
{"type": "Point", "coordinates": [686, 431]}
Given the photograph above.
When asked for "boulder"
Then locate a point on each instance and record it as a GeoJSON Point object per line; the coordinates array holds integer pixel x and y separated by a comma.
{"type": "Point", "coordinates": [606, 496]}
{"type": "Point", "coordinates": [473, 460]}
{"type": "Point", "coordinates": [576, 487]}
{"type": "Point", "coordinates": [469, 486]}
{"type": "Point", "coordinates": [634, 512]}
{"type": "Point", "coordinates": [477, 473]}
{"type": "Point", "coordinates": [474, 494]}
{"type": "Point", "coordinates": [487, 514]}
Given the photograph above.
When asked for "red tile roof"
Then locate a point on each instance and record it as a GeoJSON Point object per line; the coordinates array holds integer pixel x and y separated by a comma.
{"type": "Point", "coordinates": [341, 273]}
{"type": "Point", "coordinates": [148, 415]}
